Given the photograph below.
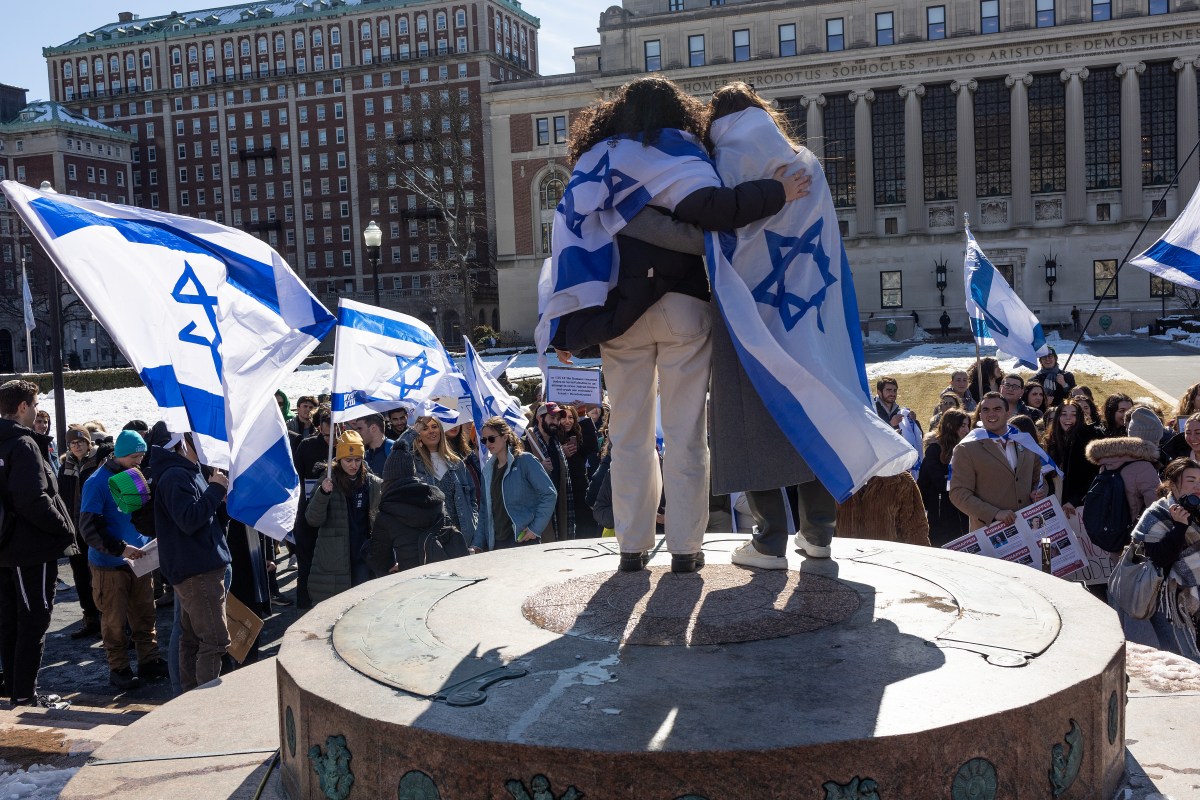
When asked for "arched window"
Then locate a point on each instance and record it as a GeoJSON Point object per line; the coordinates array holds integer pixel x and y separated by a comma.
{"type": "Point", "coordinates": [550, 192]}
{"type": "Point", "coordinates": [402, 26]}
{"type": "Point", "coordinates": [209, 53]}
{"type": "Point", "coordinates": [365, 30]}
{"type": "Point", "coordinates": [68, 70]}
{"type": "Point", "coordinates": [129, 61]}
{"type": "Point", "coordinates": [317, 38]}
{"type": "Point", "coordinates": [114, 64]}
{"type": "Point", "coordinates": [280, 43]}
{"type": "Point", "coordinates": [422, 23]}
{"type": "Point", "coordinates": [245, 47]}
{"type": "Point", "coordinates": [299, 40]}
{"type": "Point", "coordinates": [83, 68]}
{"type": "Point", "coordinates": [262, 44]}
{"type": "Point", "coordinates": [440, 20]}
{"type": "Point", "coordinates": [193, 54]}
{"type": "Point", "coordinates": [98, 66]}
{"type": "Point", "coordinates": [176, 56]}
{"type": "Point", "coordinates": [385, 28]}
{"type": "Point", "coordinates": [496, 319]}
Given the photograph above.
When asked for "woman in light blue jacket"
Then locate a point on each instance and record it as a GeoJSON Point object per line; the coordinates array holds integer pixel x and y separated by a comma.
{"type": "Point", "coordinates": [518, 497]}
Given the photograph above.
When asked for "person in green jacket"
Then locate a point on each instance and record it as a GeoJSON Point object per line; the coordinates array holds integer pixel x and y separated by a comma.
{"type": "Point", "coordinates": [343, 510]}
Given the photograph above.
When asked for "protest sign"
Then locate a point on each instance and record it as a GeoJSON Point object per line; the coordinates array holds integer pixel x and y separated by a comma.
{"type": "Point", "coordinates": [574, 385]}
{"type": "Point", "coordinates": [1018, 541]}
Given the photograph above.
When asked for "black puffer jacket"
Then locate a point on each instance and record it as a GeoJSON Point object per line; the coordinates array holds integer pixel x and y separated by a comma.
{"type": "Point", "coordinates": [647, 271]}
{"type": "Point", "coordinates": [408, 510]}
{"type": "Point", "coordinates": [41, 530]}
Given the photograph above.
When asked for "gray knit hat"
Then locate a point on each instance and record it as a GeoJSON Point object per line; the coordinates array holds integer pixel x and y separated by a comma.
{"type": "Point", "coordinates": [400, 465]}
{"type": "Point", "coordinates": [1144, 425]}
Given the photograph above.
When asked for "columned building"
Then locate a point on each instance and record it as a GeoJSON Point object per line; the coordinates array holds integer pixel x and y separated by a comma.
{"type": "Point", "coordinates": [275, 116]}
{"type": "Point", "coordinates": [1055, 124]}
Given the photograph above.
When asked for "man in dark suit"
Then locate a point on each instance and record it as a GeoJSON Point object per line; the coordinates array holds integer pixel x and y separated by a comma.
{"type": "Point", "coordinates": [994, 477]}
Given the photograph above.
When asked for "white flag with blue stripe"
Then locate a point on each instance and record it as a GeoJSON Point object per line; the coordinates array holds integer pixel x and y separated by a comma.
{"type": "Point", "coordinates": [1176, 256]}
{"type": "Point", "coordinates": [383, 359]}
{"type": "Point", "coordinates": [786, 292]}
{"type": "Point", "coordinates": [998, 317]}
{"type": "Point", "coordinates": [610, 184]}
{"type": "Point", "coordinates": [212, 319]}
{"type": "Point", "coordinates": [488, 398]}
{"type": "Point", "coordinates": [27, 301]}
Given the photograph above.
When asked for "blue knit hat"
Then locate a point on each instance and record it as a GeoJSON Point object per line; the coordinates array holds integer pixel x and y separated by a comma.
{"type": "Point", "coordinates": [128, 443]}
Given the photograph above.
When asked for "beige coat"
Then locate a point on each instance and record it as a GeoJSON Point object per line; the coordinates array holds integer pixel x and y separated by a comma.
{"type": "Point", "coordinates": [982, 483]}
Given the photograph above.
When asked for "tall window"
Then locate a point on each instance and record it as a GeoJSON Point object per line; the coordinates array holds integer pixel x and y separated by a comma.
{"type": "Point", "coordinates": [1102, 273]}
{"type": "Point", "coordinates": [939, 141]}
{"type": "Point", "coordinates": [653, 52]}
{"type": "Point", "coordinates": [887, 143]}
{"type": "Point", "coordinates": [839, 149]}
{"type": "Point", "coordinates": [543, 130]}
{"type": "Point", "coordinates": [560, 129]}
{"type": "Point", "coordinates": [1101, 10]}
{"type": "Point", "coordinates": [741, 45]}
{"type": "Point", "coordinates": [935, 22]}
{"type": "Point", "coordinates": [835, 34]}
{"type": "Point", "coordinates": [891, 289]}
{"type": "Point", "coordinates": [1158, 124]}
{"type": "Point", "coordinates": [884, 28]}
{"type": "Point", "coordinates": [989, 16]}
{"type": "Point", "coordinates": [787, 39]}
{"type": "Point", "coordinates": [1161, 287]}
{"type": "Point", "coordinates": [993, 139]}
{"type": "Point", "coordinates": [1045, 13]}
{"type": "Point", "coordinates": [1047, 134]}
{"type": "Point", "coordinates": [696, 50]}
{"type": "Point", "coordinates": [797, 119]}
{"type": "Point", "coordinates": [1156, 7]}
{"type": "Point", "coordinates": [550, 191]}
{"type": "Point", "coordinates": [675, 5]}
{"type": "Point", "coordinates": [1102, 129]}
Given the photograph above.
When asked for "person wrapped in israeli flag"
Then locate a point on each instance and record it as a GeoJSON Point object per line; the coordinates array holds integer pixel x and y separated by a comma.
{"type": "Point", "coordinates": [786, 292]}
{"type": "Point", "coordinates": [383, 359]}
{"type": "Point", "coordinates": [998, 317]}
{"type": "Point", "coordinates": [1176, 255]}
{"type": "Point", "coordinates": [488, 399]}
{"type": "Point", "coordinates": [211, 318]}
{"type": "Point", "coordinates": [1019, 438]}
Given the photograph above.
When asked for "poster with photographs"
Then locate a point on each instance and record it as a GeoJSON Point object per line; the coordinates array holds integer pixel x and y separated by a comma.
{"type": "Point", "coordinates": [1018, 541]}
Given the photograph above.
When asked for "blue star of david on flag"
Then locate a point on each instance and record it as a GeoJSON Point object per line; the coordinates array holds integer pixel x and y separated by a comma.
{"type": "Point", "coordinates": [419, 362]}
{"type": "Point", "coordinates": [773, 290]}
{"type": "Point", "coordinates": [205, 300]}
{"type": "Point", "coordinates": [614, 182]}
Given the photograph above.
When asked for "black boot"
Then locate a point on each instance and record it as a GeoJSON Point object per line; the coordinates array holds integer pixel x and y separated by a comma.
{"type": "Point", "coordinates": [124, 679]}
{"type": "Point", "coordinates": [687, 562]}
{"type": "Point", "coordinates": [90, 629]}
{"type": "Point", "coordinates": [633, 562]}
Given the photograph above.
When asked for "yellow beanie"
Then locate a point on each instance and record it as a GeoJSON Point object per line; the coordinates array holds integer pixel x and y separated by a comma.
{"type": "Point", "coordinates": [349, 445]}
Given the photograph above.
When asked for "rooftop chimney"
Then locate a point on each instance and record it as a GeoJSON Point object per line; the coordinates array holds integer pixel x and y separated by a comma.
{"type": "Point", "coordinates": [125, 16]}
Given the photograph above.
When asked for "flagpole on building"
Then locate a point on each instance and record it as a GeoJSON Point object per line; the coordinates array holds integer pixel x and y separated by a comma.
{"type": "Point", "coordinates": [28, 329]}
{"type": "Point", "coordinates": [1104, 295]}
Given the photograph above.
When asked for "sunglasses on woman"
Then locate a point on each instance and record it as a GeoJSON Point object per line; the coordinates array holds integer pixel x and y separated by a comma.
{"type": "Point", "coordinates": [489, 439]}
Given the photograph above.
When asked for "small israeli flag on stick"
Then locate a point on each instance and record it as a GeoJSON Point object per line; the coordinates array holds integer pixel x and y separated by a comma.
{"type": "Point", "coordinates": [998, 317]}
{"type": "Point", "coordinates": [488, 398]}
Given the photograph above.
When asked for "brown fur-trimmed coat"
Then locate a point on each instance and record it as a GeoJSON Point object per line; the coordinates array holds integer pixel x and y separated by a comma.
{"type": "Point", "coordinates": [887, 508]}
{"type": "Point", "coordinates": [1140, 476]}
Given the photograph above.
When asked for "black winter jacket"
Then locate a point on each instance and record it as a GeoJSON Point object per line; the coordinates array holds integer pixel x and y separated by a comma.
{"type": "Point", "coordinates": [647, 272]}
{"type": "Point", "coordinates": [407, 510]}
{"type": "Point", "coordinates": [191, 539]}
{"type": "Point", "coordinates": [41, 530]}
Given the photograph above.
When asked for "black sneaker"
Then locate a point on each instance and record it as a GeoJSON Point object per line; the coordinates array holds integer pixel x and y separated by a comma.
{"type": "Point", "coordinates": [124, 679]}
{"type": "Point", "coordinates": [687, 562]}
{"type": "Point", "coordinates": [633, 562]}
{"type": "Point", "coordinates": [280, 600]}
{"type": "Point", "coordinates": [153, 670]}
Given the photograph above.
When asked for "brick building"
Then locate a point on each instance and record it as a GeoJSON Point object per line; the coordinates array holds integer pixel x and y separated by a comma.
{"type": "Point", "coordinates": [273, 117]}
{"type": "Point", "coordinates": [45, 141]}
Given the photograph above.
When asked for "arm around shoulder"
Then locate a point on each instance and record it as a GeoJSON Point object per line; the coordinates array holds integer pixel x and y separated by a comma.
{"type": "Point", "coordinates": [722, 209]}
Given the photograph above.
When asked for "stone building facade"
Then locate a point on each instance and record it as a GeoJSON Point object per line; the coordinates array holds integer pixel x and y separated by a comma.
{"type": "Point", "coordinates": [1055, 124]}
{"type": "Point", "coordinates": [265, 116]}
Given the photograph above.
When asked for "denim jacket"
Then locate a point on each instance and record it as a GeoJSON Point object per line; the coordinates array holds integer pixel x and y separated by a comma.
{"type": "Point", "coordinates": [461, 506]}
{"type": "Point", "coordinates": [529, 497]}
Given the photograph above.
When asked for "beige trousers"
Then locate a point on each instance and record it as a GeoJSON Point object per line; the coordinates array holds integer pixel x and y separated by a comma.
{"type": "Point", "coordinates": [666, 352]}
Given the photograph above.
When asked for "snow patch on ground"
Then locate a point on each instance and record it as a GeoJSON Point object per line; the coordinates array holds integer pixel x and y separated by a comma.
{"type": "Point", "coordinates": [1160, 670]}
{"type": "Point", "coordinates": [1180, 336]}
{"type": "Point", "coordinates": [37, 782]}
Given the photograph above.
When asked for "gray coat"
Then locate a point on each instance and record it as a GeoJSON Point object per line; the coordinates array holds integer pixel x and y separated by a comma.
{"type": "Point", "coordinates": [749, 452]}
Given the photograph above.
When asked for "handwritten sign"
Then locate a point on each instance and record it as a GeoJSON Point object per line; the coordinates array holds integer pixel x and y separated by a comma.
{"type": "Point", "coordinates": [574, 385]}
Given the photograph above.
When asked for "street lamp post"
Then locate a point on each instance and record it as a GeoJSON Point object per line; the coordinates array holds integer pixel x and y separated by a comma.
{"type": "Point", "coordinates": [373, 238]}
{"type": "Point", "coordinates": [1051, 274]}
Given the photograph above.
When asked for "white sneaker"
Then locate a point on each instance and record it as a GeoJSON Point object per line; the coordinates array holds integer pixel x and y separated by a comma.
{"type": "Point", "coordinates": [748, 556]}
{"type": "Point", "coordinates": [812, 550]}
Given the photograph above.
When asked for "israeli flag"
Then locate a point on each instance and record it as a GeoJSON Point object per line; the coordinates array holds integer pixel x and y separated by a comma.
{"type": "Point", "coordinates": [383, 359]}
{"type": "Point", "coordinates": [1176, 256]}
{"type": "Point", "coordinates": [785, 290]}
{"type": "Point", "coordinates": [488, 398]}
{"type": "Point", "coordinates": [27, 301]}
{"type": "Point", "coordinates": [1018, 437]}
{"type": "Point", "coordinates": [211, 318]}
{"type": "Point", "coordinates": [998, 317]}
{"type": "Point", "coordinates": [611, 183]}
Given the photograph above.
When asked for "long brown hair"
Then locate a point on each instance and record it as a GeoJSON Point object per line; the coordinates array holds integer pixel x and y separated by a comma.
{"type": "Point", "coordinates": [1189, 403]}
{"type": "Point", "coordinates": [443, 446]}
{"type": "Point", "coordinates": [642, 108]}
{"type": "Point", "coordinates": [947, 431]}
{"type": "Point", "coordinates": [738, 96]}
{"type": "Point", "coordinates": [502, 429]}
{"type": "Point", "coordinates": [1057, 441]}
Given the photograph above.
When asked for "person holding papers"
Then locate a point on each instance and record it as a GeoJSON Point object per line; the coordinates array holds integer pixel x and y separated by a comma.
{"type": "Point", "coordinates": [120, 595]}
{"type": "Point", "coordinates": [991, 475]}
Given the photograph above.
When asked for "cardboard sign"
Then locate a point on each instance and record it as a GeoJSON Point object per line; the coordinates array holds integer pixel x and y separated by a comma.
{"type": "Point", "coordinates": [574, 385]}
{"type": "Point", "coordinates": [244, 627]}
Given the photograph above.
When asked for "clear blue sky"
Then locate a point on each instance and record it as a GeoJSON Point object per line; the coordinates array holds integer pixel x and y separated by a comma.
{"type": "Point", "coordinates": [30, 25]}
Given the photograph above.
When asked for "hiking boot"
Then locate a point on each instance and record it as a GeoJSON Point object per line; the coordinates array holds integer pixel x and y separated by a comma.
{"type": "Point", "coordinates": [748, 556]}
{"type": "Point", "coordinates": [153, 670]}
{"type": "Point", "coordinates": [124, 679]}
{"type": "Point", "coordinates": [90, 629]}
{"type": "Point", "coordinates": [686, 562]}
{"type": "Point", "coordinates": [633, 562]}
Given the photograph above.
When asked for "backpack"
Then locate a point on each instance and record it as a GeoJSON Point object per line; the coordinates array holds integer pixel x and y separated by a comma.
{"type": "Point", "coordinates": [1107, 518]}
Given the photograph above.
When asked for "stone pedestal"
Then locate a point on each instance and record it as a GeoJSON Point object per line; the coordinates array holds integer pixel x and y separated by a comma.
{"type": "Point", "coordinates": [886, 672]}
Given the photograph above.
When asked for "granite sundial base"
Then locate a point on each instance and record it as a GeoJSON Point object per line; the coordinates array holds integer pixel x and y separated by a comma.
{"type": "Point", "coordinates": [888, 672]}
